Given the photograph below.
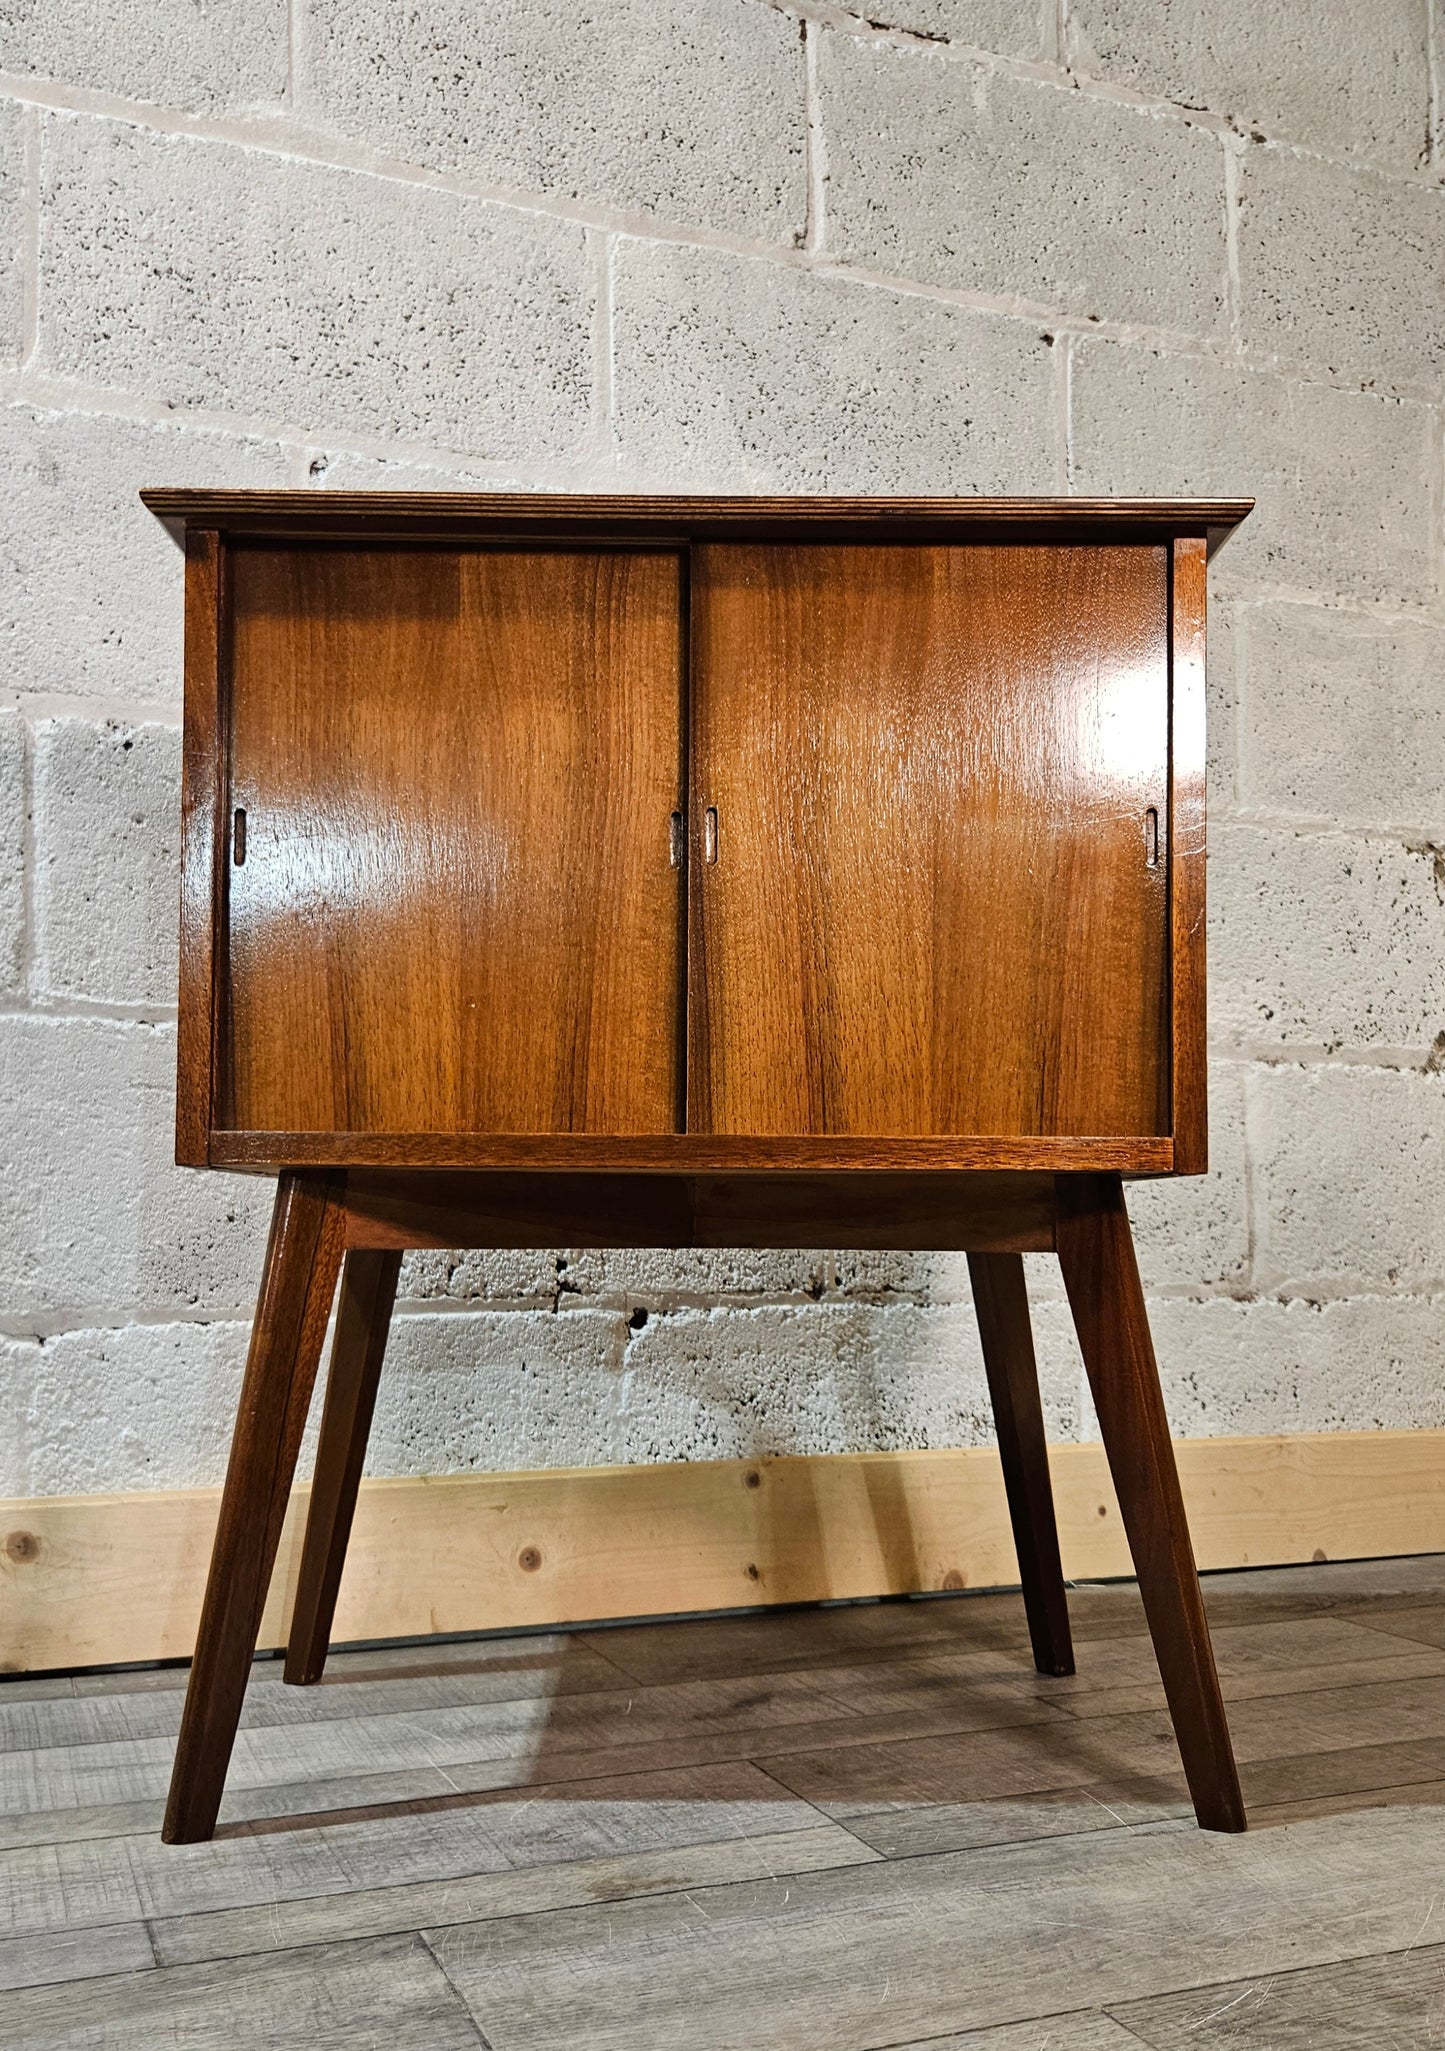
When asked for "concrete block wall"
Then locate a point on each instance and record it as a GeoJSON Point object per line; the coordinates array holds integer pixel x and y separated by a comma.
{"type": "Point", "coordinates": [962, 245]}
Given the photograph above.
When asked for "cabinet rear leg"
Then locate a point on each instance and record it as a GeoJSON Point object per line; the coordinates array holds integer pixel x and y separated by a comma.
{"type": "Point", "coordinates": [1096, 1253]}
{"type": "Point", "coordinates": [363, 1319]}
{"type": "Point", "coordinates": [303, 1256]}
{"type": "Point", "coordinates": [1002, 1305]}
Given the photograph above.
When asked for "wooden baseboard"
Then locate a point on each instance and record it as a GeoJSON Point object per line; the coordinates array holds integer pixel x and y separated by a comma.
{"type": "Point", "coordinates": [91, 1580]}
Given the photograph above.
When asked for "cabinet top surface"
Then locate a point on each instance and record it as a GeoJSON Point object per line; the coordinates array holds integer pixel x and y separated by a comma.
{"type": "Point", "coordinates": [637, 516]}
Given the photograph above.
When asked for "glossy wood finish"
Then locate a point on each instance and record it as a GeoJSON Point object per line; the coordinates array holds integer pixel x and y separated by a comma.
{"type": "Point", "coordinates": [637, 516]}
{"type": "Point", "coordinates": [849, 830]}
{"type": "Point", "coordinates": [303, 1256]}
{"type": "Point", "coordinates": [1096, 1254]}
{"type": "Point", "coordinates": [457, 911]}
{"type": "Point", "coordinates": [931, 910]}
{"type": "Point", "coordinates": [1189, 1033]}
{"type": "Point", "coordinates": [1000, 1300]}
{"type": "Point", "coordinates": [202, 941]}
{"type": "Point", "coordinates": [363, 1318]}
{"type": "Point", "coordinates": [687, 1153]}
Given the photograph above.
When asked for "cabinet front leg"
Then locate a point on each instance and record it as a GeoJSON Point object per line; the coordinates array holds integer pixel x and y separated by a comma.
{"type": "Point", "coordinates": [1096, 1253]}
{"type": "Point", "coordinates": [1000, 1299]}
{"type": "Point", "coordinates": [363, 1319]}
{"type": "Point", "coordinates": [303, 1256]}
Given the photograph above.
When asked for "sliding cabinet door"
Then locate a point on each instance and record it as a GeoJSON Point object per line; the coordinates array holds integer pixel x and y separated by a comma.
{"type": "Point", "coordinates": [451, 898]}
{"type": "Point", "coordinates": [931, 783]}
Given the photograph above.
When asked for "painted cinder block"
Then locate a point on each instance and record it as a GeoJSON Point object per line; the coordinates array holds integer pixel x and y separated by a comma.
{"type": "Point", "coordinates": [173, 53]}
{"type": "Point", "coordinates": [13, 743]}
{"type": "Point", "coordinates": [93, 1215]}
{"type": "Point", "coordinates": [129, 1407]}
{"type": "Point", "coordinates": [690, 110]}
{"type": "Point", "coordinates": [1193, 1234]}
{"type": "Point", "coordinates": [497, 1391]}
{"type": "Point", "coordinates": [1325, 939]}
{"type": "Point", "coordinates": [356, 311]}
{"type": "Point", "coordinates": [1008, 28]}
{"type": "Point", "coordinates": [90, 584]}
{"type": "Point", "coordinates": [1343, 716]}
{"type": "Point", "coordinates": [1348, 1162]}
{"type": "Point", "coordinates": [960, 176]}
{"type": "Point", "coordinates": [1341, 268]}
{"type": "Point", "coordinates": [734, 374]}
{"type": "Point", "coordinates": [729, 1383]}
{"type": "Point", "coordinates": [1343, 480]}
{"type": "Point", "coordinates": [12, 231]}
{"type": "Point", "coordinates": [208, 275]}
{"type": "Point", "coordinates": [1249, 1368]}
{"type": "Point", "coordinates": [107, 870]}
{"type": "Point", "coordinates": [1348, 78]}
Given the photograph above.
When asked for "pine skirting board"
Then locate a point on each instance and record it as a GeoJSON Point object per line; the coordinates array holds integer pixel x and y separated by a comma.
{"type": "Point", "coordinates": [91, 1580]}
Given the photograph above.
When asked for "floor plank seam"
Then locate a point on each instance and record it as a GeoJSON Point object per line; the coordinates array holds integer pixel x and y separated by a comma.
{"type": "Point", "coordinates": [483, 2040]}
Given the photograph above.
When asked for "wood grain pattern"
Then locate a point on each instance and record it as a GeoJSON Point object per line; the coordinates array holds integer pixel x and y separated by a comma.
{"type": "Point", "coordinates": [931, 911]}
{"type": "Point", "coordinates": [389, 1995]}
{"type": "Point", "coordinates": [688, 1153]}
{"type": "Point", "coordinates": [1096, 1254]}
{"type": "Point", "coordinates": [358, 1346]}
{"type": "Point", "coordinates": [1189, 1034]}
{"type": "Point", "coordinates": [120, 1577]}
{"type": "Point", "coordinates": [1395, 2002]}
{"type": "Point", "coordinates": [1000, 1300]}
{"type": "Point", "coordinates": [914, 1948]}
{"type": "Point", "coordinates": [457, 910]}
{"type": "Point", "coordinates": [634, 516]}
{"type": "Point", "coordinates": [198, 1028]}
{"type": "Point", "coordinates": [717, 1904]}
{"type": "Point", "coordinates": [303, 1256]}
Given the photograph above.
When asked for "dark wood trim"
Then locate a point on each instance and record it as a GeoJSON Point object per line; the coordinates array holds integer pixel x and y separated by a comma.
{"type": "Point", "coordinates": [683, 1153]}
{"type": "Point", "coordinates": [1001, 1303]}
{"type": "Point", "coordinates": [303, 1256]}
{"type": "Point", "coordinates": [198, 1032]}
{"type": "Point", "coordinates": [910, 1211]}
{"type": "Point", "coordinates": [1189, 1031]}
{"type": "Point", "coordinates": [1101, 1275]}
{"type": "Point", "coordinates": [631, 517]}
{"type": "Point", "coordinates": [363, 1319]}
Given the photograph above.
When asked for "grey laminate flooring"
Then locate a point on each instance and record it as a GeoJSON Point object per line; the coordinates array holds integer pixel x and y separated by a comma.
{"type": "Point", "coordinates": [837, 1830]}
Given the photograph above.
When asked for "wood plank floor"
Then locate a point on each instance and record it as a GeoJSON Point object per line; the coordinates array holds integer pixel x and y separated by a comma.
{"type": "Point", "coordinates": [840, 1829]}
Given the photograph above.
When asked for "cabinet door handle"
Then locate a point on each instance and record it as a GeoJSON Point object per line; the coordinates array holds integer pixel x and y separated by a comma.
{"type": "Point", "coordinates": [709, 834]}
{"type": "Point", "coordinates": [238, 836]}
{"type": "Point", "coordinates": [675, 840]}
{"type": "Point", "coordinates": [1151, 837]}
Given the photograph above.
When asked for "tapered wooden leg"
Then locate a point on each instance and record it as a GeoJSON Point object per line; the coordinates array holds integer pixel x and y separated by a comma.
{"type": "Point", "coordinates": [1096, 1253]}
{"type": "Point", "coordinates": [303, 1256]}
{"type": "Point", "coordinates": [363, 1318]}
{"type": "Point", "coordinates": [1001, 1301]}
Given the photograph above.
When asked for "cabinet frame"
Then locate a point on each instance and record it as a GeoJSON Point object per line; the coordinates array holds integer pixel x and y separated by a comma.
{"type": "Point", "coordinates": [347, 1205]}
{"type": "Point", "coordinates": [207, 523]}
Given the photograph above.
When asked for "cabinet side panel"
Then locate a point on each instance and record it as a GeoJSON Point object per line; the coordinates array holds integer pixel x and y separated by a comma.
{"type": "Point", "coordinates": [938, 904]}
{"type": "Point", "coordinates": [202, 797]}
{"type": "Point", "coordinates": [457, 911]}
{"type": "Point", "coordinates": [1189, 1035]}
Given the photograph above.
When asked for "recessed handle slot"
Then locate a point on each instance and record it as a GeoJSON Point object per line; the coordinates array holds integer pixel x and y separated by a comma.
{"type": "Point", "coordinates": [675, 840]}
{"type": "Point", "coordinates": [709, 834]}
{"type": "Point", "coordinates": [238, 837]}
{"type": "Point", "coordinates": [1151, 837]}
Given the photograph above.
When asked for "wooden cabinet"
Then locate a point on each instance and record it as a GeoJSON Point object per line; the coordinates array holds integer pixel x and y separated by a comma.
{"type": "Point", "coordinates": [674, 871]}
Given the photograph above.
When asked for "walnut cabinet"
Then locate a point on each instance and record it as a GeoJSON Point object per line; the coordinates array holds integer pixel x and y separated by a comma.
{"type": "Point", "coordinates": [692, 871]}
